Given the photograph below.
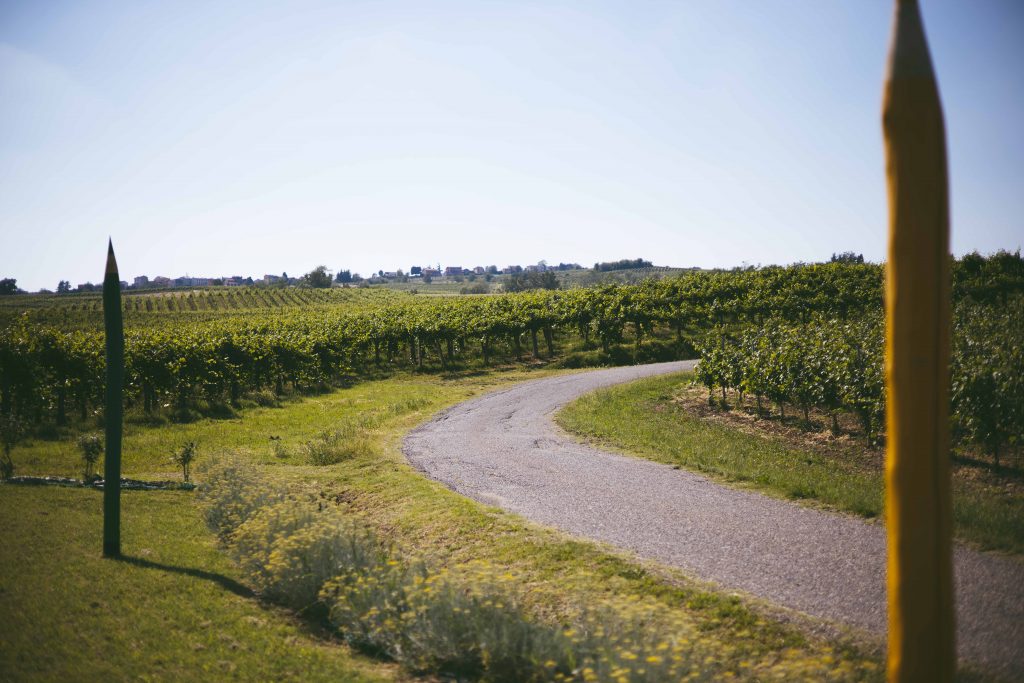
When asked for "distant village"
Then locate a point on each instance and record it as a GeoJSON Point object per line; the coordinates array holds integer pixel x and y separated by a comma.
{"type": "Point", "coordinates": [424, 274]}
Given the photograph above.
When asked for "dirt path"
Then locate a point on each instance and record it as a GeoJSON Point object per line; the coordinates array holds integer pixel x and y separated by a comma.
{"type": "Point", "coordinates": [503, 449]}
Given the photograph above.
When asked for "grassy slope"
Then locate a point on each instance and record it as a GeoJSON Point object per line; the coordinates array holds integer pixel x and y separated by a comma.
{"type": "Point", "coordinates": [417, 514]}
{"type": "Point", "coordinates": [641, 419]}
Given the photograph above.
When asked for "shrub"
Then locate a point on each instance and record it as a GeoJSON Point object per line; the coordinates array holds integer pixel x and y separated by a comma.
{"type": "Point", "coordinates": [184, 459]}
{"type": "Point", "coordinates": [6, 466]}
{"type": "Point", "coordinates": [91, 446]}
{"type": "Point", "coordinates": [636, 639]}
{"type": "Point", "coordinates": [265, 398]}
{"type": "Point", "coordinates": [464, 622]}
{"type": "Point", "coordinates": [344, 443]}
{"type": "Point", "coordinates": [477, 288]}
{"type": "Point", "coordinates": [231, 493]}
{"type": "Point", "coordinates": [12, 428]}
{"type": "Point", "coordinates": [290, 549]}
{"type": "Point", "coordinates": [281, 451]}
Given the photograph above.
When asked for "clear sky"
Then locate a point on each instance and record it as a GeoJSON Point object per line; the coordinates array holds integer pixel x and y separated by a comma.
{"type": "Point", "coordinates": [247, 137]}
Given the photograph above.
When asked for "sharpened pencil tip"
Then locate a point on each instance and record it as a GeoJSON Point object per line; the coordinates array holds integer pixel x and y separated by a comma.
{"type": "Point", "coordinates": [111, 261]}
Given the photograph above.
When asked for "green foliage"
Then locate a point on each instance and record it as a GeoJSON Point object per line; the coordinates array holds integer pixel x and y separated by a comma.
{"type": "Point", "coordinates": [825, 363]}
{"type": "Point", "coordinates": [847, 257]}
{"type": "Point", "coordinates": [993, 279]}
{"type": "Point", "coordinates": [623, 264]}
{"type": "Point", "coordinates": [331, 447]}
{"type": "Point", "coordinates": [469, 620]}
{"type": "Point", "coordinates": [184, 457]}
{"type": "Point", "coordinates": [8, 285]}
{"type": "Point", "coordinates": [263, 342]}
{"type": "Point", "coordinates": [289, 550]}
{"type": "Point", "coordinates": [521, 282]}
{"type": "Point", "coordinates": [987, 377]}
{"type": "Point", "coordinates": [233, 491]}
{"type": "Point", "coordinates": [560, 576]}
{"type": "Point", "coordinates": [319, 278]}
{"type": "Point", "coordinates": [477, 288]}
{"type": "Point", "coordinates": [91, 447]}
{"type": "Point", "coordinates": [837, 366]}
{"type": "Point", "coordinates": [12, 429]}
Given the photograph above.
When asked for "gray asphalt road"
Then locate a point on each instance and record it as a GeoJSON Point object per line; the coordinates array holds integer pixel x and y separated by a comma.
{"type": "Point", "coordinates": [503, 449]}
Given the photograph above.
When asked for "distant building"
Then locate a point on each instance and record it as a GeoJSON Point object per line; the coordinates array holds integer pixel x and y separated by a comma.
{"type": "Point", "coordinates": [479, 270]}
{"type": "Point", "coordinates": [415, 271]}
{"type": "Point", "coordinates": [453, 270]}
{"type": "Point", "coordinates": [389, 274]}
{"type": "Point", "coordinates": [161, 281]}
{"type": "Point", "coordinates": [508, 270]}
{"type": "Point", "coordinates": [234, 281]}
{"type": "Point", "coordinates": [271, 279]}
{"type": "Point", "coordinates": [431, 272]}
{"type": "Point", "coordinates": [141, 281]}
{"type": "Point", "coordinates": [187, 281]}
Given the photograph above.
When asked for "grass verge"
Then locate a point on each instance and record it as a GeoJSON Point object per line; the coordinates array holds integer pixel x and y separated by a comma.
{"type": "Point", "coordinates": [418, 516]}
{"type": "Point", "coordinates": [645, 418]}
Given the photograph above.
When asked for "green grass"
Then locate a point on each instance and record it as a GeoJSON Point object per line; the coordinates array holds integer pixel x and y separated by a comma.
{"type": "Point", "coordinates": [641, 418]}
{"type": "Point", "coordinates": [271, 435]}
{"type": "Point", "coordinates": [172, 610]}
{"type": "Point", "coordinates": [421, 517]}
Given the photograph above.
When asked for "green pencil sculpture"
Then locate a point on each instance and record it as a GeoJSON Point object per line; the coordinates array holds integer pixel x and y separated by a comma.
{"type": "Point", "coordinates": [113, 416]}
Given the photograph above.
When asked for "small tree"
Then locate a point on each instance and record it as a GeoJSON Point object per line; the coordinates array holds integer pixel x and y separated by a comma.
{"type": "Point", "coordinates": [11, 431]}
{"type": "Point", "coordinates": [184, 458]}
{"type": "Point", "coordinates": [319, 277]}
{"type": "Point", "coordinates": [8, 285]}
{"type": "Point", "coordinates": [63, 287]}
{"type": "Point", "coordinates": [91, 446]}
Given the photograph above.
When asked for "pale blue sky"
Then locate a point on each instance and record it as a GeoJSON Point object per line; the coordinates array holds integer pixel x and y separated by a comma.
{"type": "Point", "coordinates": [247, 137]}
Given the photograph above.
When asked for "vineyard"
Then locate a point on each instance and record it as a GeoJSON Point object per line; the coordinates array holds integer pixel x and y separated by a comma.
{"type": "Point", "coordinates": [836, 365]}
{"type": "Point", "coordinates": [85, 311]}
{"type": "Point", "coordinates": [809, 335]}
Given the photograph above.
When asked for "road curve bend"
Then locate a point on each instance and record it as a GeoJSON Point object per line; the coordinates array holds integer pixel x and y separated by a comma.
{"type": "Point", "coordinates": [503, 449]}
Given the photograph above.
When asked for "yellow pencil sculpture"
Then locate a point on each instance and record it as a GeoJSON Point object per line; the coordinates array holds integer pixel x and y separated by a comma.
{"type": "Point", "coordinates": [918, 503]}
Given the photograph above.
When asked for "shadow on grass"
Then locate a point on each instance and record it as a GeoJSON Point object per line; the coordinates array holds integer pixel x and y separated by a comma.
{"type": "Point", "coordinates": [224, 582]}
{"type": "Point", "coordinates": [312, 620]}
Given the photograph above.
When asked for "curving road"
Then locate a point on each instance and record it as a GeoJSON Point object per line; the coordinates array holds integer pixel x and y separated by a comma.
{"type": "Point", "coordinates": [503, 449]}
